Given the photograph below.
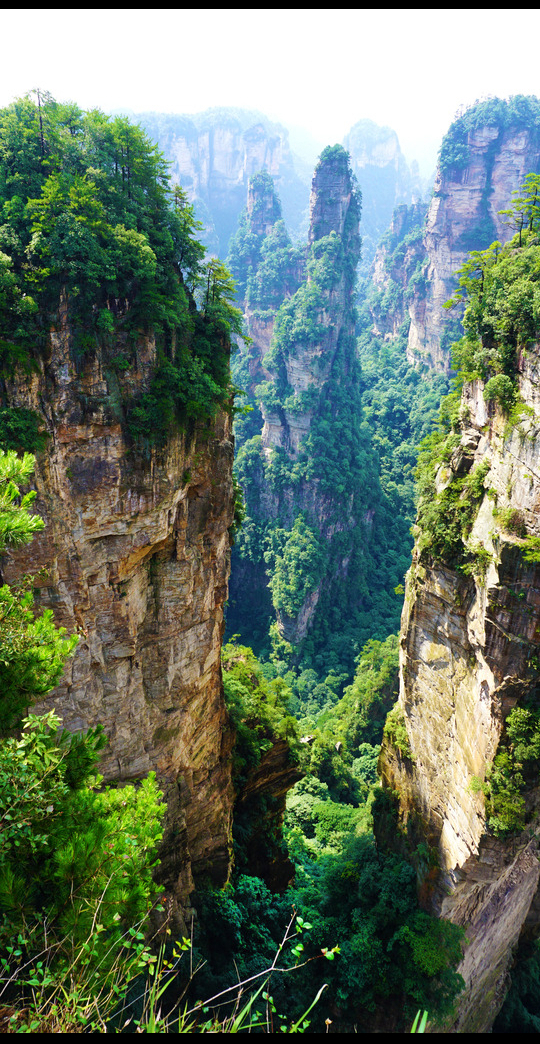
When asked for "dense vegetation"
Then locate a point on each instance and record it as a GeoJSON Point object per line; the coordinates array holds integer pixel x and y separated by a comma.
{"type": "Point", "coordinates": [90, 224]}
{"type": "Point", "coordinates": [356, 905]}
{"type": "Point", "coordinates": [333, 475]}
{"type": "Point", "coordinates": [501, 318]}
{"type": "Point", "coordinates": [75, 859]}
{"type": "Point", "coordinates": [518, 111]}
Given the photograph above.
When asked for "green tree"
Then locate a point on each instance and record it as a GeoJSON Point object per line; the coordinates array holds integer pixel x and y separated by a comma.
{"type": "Point", "coordinates": [17, 525]}
{"type": "Point", "coordinates": [75, 859]}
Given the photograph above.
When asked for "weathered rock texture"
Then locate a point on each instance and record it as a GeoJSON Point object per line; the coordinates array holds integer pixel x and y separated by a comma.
{"type": "Point", "coordinates": [308, 365]}
{"type": "Point", "coordinates": [213, 154]}
{"type": "Point", "coordinates": [137, 553]}
{"type": "Point", "coordinates": [385, 180]}
{"type": "Point", "coordinates": [463, 216]}
{"type": "Point", "coordinates": [468, 650]}
{"type": "Point", "coordinates": [261, 806]}
{"type": "Point", "coordinates": [400, 264]}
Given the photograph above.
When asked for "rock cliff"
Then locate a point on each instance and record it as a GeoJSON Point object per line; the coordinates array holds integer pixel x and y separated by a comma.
{"type": "Point", "coordinates": [484, 158]}
{"type": "Point", "coordinates": [136, 549]}
{"type": "Point", "coordinates": [213, 155]}
{"type": "Point", "coordinates": [469, 656]}
{"type": "Point", "coordinates": [399, 269]}
{"type": "Point", "coordinates": [305, 461]}
{"type": "Point", "coordinates": [307, 360]}
{"type": "Point", "coordinates": [385, 181]}
{"type": "Point", "coordinates": [294, 360]}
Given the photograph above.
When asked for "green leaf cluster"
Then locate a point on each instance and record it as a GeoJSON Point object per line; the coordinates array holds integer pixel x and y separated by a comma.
{"type": "Point", "coordinates": [73, 857]}
{"type": "Point", "coordinates": [514, 769]}
{"type": "Point", "coordinates": [391, 953]}
{"type": "Point", "coordinates": [521, 111]}
{"type": "Point", "coordinates": [259, 708]}
{"type": "Point", "coordinates": [89, 221]}
{"type": "Point", "coordinates": [395, 731]}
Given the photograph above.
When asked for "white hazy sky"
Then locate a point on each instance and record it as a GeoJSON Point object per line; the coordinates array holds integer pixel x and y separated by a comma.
{"type": "Point", "coordinates": [320, 70]}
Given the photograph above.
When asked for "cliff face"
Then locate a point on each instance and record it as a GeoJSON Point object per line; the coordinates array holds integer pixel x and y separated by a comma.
{"type": "Point", "coordinates": [307, 361]}
{"type": "Point", "coordinates": [214, 154]}
{"type": "Point", "coordinates": [463, 216]}
{"type": "Point", "coordinates": [136, 550]}
{"type": "Point", "coordinates": [399, 267]}
{"type": "Point", "coordinates": [469, 656]}
{"type": "Point", "coordinates": [385, 181]}
{"type": "Point", "coordinates": [263, 212]}
{"type": "Point", "coordinates": [314, 506]}
{"type": "Point", "coordinates": [296, 349]}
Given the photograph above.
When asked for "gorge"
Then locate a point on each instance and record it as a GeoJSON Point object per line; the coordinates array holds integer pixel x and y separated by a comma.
{"type": "Point", "coordinates": [117, 328]}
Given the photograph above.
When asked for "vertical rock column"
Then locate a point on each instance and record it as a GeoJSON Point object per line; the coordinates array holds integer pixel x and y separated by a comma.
{"type": "Point", "coordinates": [136, 549]}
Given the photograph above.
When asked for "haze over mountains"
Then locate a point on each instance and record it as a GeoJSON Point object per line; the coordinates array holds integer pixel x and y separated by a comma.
{"type": "Point", "coordinates": [213, 154]}
{"type": "Point", "coordinates": [359, 458]}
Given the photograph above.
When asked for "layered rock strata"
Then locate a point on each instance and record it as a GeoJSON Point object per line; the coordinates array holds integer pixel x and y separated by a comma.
{"type": "Point", "coordinates": [469, 654]}
{"type": "Point", "coordinates": [464, 215]}
{"type": "Point", "coordinates": [384, 178]}
{"type": "Point", "coordinates": [136, 553]}
{"type": "Point", "coordinates": [214, 154]}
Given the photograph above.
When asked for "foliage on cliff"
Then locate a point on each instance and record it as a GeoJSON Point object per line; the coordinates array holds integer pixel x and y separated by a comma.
{"type": "Point", "coordinates": [32, 650]}
{"type": "Point", "coordinates": [520, 111]}
{"type": "Point", "coordinates": [88, 217]}
{"type": "Point", "coordinates": [513, 772]}
{"type": "Point", "coordinates": [261, 257]}
{"type": "Point", "coordinates": [259, 711]}
{"type": "Point", "coordinates": [501, 319]}
{"type": "Point", "coordinates": [401, 407]}
{"type": "Point", "coordinates": [346, 892]}
{"type": "Point", "coordinates": [322, 529]}
{"type": "Point", "coordinates": [75, 859]}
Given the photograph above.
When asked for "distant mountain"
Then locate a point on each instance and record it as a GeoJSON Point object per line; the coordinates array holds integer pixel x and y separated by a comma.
{"type": "Point", "coordinates": [214, 153]}
{"type": "Point", "coordinates": [385, 181]}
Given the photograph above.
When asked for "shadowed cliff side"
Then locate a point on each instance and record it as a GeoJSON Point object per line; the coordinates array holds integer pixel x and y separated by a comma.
{"type": "Point", "coordinates": [136, 549]}
{"type": "Point", "coordinates": [314, 507]}
{"type": "Point", "coordinates": [463, 762]}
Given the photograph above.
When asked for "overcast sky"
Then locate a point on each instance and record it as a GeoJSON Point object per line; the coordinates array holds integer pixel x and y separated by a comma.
{"type": "Point", "coordinates": [321, 70]}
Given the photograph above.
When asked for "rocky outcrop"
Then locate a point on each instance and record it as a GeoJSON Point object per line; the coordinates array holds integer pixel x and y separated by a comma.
{"type": "Point", "coordinates": [261, 220]}
{"type": "Point", "coordinates": [307, 362]}
{"type": "Point", "coordinates": [213, 154]}
{"type": "Point", "coordinates": [463, 216]}
{"type": "Point", "coordinates": [136, 553]}
{"type": "Point", "coordinates": [399, 269]}
{"type": "Point", "coordinates": [384, 178]}
{"type": "Point", "coordinates": [309, 505]}
{"type": "Point", "coordinates": [260, 808]}
{"type": "Point", "coordinates": [469, 655]}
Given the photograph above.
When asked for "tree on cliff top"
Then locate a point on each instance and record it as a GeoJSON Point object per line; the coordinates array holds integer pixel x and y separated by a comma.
{"type": "Point", "coordinates": [519, 110]}
{"type": "Point", "coordinates": [88, 216]}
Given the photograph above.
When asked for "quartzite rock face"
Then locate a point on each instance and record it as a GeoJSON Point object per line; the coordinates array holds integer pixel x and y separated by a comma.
{"type": "Point", "coordinates": [384, 179]}
{"type": "Point", "coordinates": [214, 154]}
{"type": "Point", "coordinates": [467, 649]}
{"type": "Point", "coordinates": [333, 209]}
{"type": "Point", "coordinates": [137, 553]}
{"type": "Point", "coordinates": [463, 216]}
